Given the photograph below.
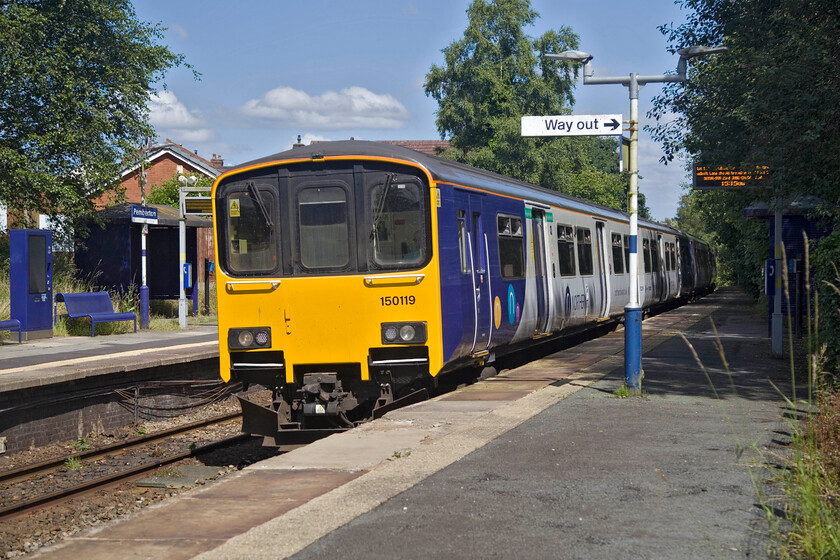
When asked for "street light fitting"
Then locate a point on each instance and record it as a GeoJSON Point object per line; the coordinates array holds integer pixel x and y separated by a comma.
{"type": "Point", "coordinates": [700, 50]}
{"type": "Point", "coordinates": [571, 56]}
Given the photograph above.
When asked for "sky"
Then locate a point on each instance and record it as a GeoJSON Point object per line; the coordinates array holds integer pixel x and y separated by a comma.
{"type": "Point", "coordinates": [333, 69]}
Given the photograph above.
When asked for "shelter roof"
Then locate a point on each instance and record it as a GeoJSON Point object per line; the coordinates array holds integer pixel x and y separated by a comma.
{"type": "Point", "coordinates": [167, 215]}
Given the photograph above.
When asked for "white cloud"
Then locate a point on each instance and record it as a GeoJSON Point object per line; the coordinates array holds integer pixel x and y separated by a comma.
{"type": "Point", "coordinates": [172, 117]}
{"type": "Point", "coordinates": [179, 30]}
{"type": "Point", "coordinates": [353, 107]}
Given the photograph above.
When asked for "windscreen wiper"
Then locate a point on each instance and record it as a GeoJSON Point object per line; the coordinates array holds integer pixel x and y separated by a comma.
{"type": "Point", "coordinates": [255, 194]}
{"type": "Point", "coordinates": [389, 179]}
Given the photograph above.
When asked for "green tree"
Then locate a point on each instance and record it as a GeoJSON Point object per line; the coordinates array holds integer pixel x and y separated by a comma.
{"type": "Point", "coordinates": [75, 77]}
{"type": "Point", "coordinates": [495, 75]}
{"type": "Point", "coordinates": [772, 100]}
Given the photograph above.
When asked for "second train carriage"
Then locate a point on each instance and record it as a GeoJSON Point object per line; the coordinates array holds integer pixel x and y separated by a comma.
{"type": "Point", "coordinates": [351, 274]}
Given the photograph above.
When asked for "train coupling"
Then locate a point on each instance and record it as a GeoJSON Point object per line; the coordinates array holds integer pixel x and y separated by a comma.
{"type": "Point", "coordinates": [322, 395]}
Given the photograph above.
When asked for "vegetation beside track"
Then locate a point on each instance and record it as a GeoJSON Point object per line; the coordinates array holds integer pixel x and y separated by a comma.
{"type": "Point", "coordinates": [163, 314]}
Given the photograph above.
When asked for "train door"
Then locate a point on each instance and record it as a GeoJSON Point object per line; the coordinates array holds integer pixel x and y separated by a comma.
{"type": "Point", "coordinates": [664, 283]}
{"type": "Point", "coordinates": [539, 242]}
{"type": "Point", "coordinates": [603, 269]}
{"type": "Point", "coordinates": [478, 310]}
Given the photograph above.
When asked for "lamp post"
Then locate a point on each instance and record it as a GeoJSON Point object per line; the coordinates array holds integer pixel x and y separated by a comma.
{"type": "Point", "coordinates": [144, 289]}
{"type": "Point", "coordinates": [634, 82]}
{"type": "Point", "coordinates": [182, 249]}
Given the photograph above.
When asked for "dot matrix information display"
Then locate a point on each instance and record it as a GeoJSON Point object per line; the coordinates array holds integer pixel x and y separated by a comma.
{"type": "Point", "coordinates": [716, 178]}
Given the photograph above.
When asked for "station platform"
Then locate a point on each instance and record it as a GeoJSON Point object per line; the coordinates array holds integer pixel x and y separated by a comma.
{"type": "Point", "coordinates": [542, 461]}
{"type": "Point", "coordinates": [70, 358]}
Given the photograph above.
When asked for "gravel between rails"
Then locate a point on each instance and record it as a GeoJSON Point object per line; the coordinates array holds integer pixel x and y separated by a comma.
{"type": "Point", "coordinates": [29, 532]}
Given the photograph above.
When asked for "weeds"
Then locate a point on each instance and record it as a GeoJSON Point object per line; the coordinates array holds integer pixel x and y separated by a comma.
{"type": "Point", "coordinates": [622, 392]}
{"type": "Point", "coordinates": [81, 444]}
{"type": "Point", "coordinates": [72, 464]}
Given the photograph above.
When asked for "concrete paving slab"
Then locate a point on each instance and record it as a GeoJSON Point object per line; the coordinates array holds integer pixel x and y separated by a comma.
{"type": "Point", "coordinates": [203, 520]}
{"type": "Point", "coordinates": [350, 451]}
{"type": "Point", "coordinates": [130, 549]}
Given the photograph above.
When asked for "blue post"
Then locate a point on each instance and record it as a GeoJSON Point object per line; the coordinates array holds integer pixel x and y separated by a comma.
{"type": "Point", "coordinates": [633, 348]}
{"type": "Point", "coordinates": [194, 298]}
{"type": "Point", "coordinates": [144, 307]}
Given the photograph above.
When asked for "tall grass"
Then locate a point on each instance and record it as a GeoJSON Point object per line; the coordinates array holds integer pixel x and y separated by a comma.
{"type": "Point", "coordinates": [811, 479]}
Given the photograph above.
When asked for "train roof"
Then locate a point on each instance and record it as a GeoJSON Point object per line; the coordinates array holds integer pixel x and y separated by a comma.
{"type": "Point", "coordinates": [448, 171]}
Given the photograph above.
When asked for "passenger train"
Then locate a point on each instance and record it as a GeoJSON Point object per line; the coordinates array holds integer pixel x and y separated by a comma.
{"type": "Point", "coordinates": [352, 276]}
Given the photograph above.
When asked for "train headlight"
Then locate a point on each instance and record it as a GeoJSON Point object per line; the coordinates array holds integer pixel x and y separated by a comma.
{"type": "Point", "coordinates": [389, 333]}
{"type": "Point", "coordinates": [407, 333]}
{"type": "Point", "coordinates": [413, 332]}
{"type": "Point", "coordinates": [243, 339]}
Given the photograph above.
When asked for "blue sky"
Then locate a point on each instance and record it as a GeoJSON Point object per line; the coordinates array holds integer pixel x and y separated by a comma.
{"type": "Point", "coordinates": [329, 70]}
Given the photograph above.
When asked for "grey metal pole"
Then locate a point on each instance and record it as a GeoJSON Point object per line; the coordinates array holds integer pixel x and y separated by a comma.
{"type": "Point", "coordinates": [144, 288]}
{"type": "Point", "coordinates": [182, 259]}
{"type": "Point", "coordinates": [633, 309]}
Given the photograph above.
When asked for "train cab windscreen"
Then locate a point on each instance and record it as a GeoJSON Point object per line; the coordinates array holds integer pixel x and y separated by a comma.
{"type": "Point", "coordinates": [252, 240]}
{"type": "Point", "coordinates": [398, 226]}
{"type": "Point", "coordinates": [310, 222]}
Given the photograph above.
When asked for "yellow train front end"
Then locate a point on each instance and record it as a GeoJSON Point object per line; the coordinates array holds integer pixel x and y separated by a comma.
{"type": "Point", "coordinates": [328, 289]}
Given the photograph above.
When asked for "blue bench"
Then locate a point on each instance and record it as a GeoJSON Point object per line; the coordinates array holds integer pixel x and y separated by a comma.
{"type": "Point", "coordinates": [96, 305]}
{"type": "Point", "coordinates": [11, 325]}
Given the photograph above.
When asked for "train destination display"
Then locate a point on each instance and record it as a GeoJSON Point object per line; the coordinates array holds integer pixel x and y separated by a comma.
{"type": "Point", "coordinates": [717, 178]}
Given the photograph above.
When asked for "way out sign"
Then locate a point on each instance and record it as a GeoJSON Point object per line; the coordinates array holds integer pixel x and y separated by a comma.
{"type": "Point", "coordinates": [572, 125]}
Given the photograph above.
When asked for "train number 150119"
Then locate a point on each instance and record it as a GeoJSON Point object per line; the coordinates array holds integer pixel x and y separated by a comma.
{"type": "Point", "coordinates": [397, 300]}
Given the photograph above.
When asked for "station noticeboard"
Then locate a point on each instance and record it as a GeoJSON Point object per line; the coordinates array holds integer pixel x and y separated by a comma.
{"type": "Point", "coordinates": [705, 177]}
{"type": "Point", "coordinates": [198, 206]}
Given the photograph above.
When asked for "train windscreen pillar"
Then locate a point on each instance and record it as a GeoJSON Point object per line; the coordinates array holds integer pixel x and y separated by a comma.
{"type": "Point", "coordinates": [31, 281]}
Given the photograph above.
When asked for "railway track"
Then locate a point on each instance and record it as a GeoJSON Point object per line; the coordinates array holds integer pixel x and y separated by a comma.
{"type": "Point", "coordinates": [46, 468]}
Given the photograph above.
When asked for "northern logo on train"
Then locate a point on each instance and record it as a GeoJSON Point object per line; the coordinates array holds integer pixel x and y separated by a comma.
{"type": "Point", "coordinates": [511, 304]}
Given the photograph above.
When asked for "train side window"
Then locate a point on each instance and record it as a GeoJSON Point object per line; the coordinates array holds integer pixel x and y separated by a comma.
{"type": "Point", "coordinates": [250, 213]}
{"type": "Point", "coordinates": [646, 251]}
{"type": "Point", "coordinates": [584, 245]}
{"type": "Point", "coordinates": [566, 250]}
{"type": "Point", "coordinates": [462, 242]}
{"type": "Point", "coordinates": [617, 254]}
{"type": "Point", "coordinates": [511, 247]}
{"type": "Point", "coordinates": [627, 252]}
{"type": "Point", "coordinates": [654, 256]}
{"type": "Point", "coordinates": [479, 259]}
{"type": "Point", "coordinates": [324, 236]}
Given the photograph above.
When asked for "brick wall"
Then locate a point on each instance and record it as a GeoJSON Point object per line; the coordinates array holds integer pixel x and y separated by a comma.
{"type": "Point", "coordinates": [161, 169]}
{"type": "Point", "coordinates": [68, 411]}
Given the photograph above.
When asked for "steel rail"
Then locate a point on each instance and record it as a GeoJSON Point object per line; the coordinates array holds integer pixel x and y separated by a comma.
{"type": "Point", "coordinates": [53, 464]}
{"type": "Point", "coordinates": [59, 495]}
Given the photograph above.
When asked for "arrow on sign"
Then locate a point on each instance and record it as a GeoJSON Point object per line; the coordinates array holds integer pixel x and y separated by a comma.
{"type": "Point", "coordinates": [612, 125]}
